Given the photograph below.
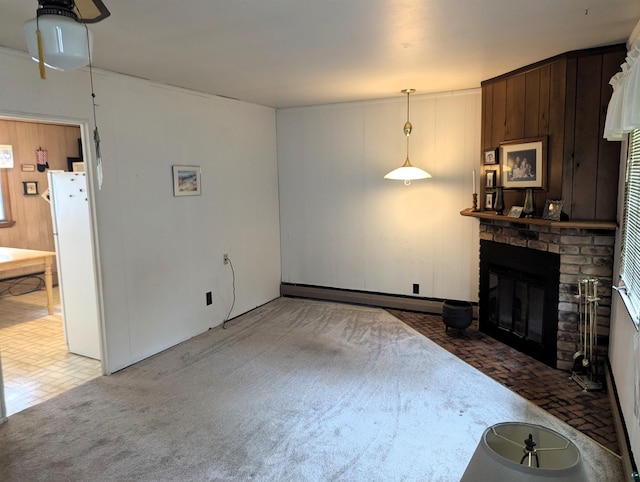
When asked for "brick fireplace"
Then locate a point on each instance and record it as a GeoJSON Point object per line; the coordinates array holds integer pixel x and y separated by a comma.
{"type": "Point", "coordinates": [584, 253]}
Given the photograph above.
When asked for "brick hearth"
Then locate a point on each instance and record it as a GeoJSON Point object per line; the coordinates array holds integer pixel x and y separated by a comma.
{"type": "Point", "coordinates": [584, 253]}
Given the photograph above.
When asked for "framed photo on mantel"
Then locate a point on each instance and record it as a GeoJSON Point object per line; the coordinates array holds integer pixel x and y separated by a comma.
{"type": "Point", "coordinates": [515, 212]}
{"type": "Point", "coordinates": [553, 210]}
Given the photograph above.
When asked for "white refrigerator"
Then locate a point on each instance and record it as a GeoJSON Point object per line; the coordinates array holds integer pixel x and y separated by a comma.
{"type": "Point", "coordinates": [75, 261]}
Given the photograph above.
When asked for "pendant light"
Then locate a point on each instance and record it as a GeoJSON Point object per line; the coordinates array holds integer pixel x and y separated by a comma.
{"type": "Point", "coordinates": [407, 172]}
{"type": "Point", "coordinates": [58, 37]}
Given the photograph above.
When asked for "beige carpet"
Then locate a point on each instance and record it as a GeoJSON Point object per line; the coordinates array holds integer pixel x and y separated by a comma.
{"type": "Point", "coordinates": [295, 390]}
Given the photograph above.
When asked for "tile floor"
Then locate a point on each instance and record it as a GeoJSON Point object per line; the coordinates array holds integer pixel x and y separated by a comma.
{"type": "Point", "coordinates": [550, 389]}
{"type": "Point", "coordinates": [35, 362]}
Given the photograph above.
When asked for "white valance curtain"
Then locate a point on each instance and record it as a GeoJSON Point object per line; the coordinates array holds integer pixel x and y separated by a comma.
{"type": "Point", "coordinates": [623, 113]}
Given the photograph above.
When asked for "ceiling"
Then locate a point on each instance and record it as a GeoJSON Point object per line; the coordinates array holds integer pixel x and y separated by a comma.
{"type": "Point", "coordinates": [284, 53]}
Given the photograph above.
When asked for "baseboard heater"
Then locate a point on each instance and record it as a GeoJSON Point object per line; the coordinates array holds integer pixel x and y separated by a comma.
{"type": "Point", "coordinates": [367, 298]}
{"type": "Point", "coordinates": [628, 461]}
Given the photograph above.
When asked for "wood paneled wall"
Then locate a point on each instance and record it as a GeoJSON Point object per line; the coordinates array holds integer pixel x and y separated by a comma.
{"type": "Point", "coordinates": [564, 98]}
{"type": "Point", "coordinates": [32, 215]}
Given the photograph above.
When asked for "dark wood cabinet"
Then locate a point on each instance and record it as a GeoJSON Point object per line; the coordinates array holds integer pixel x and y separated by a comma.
{"type": "Point", "coordinates": [564, 98]}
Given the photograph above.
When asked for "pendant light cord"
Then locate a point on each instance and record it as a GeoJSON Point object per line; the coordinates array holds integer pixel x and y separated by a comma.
{"type": "Point", "coordinates": [408, 93]}
{"type": "Point", "coordinates": [407, 147]}
{"type": "Point", "coordinates": [96, 134]}
{"type": "Point", "coordinates": [407, 126]}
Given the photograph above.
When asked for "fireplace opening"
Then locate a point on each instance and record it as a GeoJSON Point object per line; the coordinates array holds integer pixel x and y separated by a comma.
{"type": "Point", "coordinates": [519, 298]}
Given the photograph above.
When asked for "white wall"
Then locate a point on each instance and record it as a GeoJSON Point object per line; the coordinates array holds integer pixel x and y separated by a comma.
{"type": "Point", "coordinates": [622, 354]}
{"type": "Point", "coordinates": [344, 226]}
{"type": "Point", "coordinates": [160, 254]}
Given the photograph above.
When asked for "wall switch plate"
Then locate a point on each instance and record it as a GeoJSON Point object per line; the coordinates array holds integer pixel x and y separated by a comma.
{"type": "Point", "coordinates": [416, 288]}
{"type": "Point", "coordinates": [209, 298]}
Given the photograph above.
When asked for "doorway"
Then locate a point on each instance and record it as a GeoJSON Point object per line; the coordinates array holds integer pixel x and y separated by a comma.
{"type": "Point", "coordinates": [42, 367]}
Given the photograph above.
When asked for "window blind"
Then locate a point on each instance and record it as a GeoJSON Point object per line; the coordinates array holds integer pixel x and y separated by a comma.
{"type": "Point", "coordinates": [630, 269]}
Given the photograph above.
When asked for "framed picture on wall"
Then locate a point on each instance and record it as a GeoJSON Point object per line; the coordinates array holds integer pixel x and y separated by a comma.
{"type": "Point", "coordinates": [524, 162]}
{"type": "Point", "coordinates": [74, 163]}
{"type": "Point", "coordinates": [491, 156]}
{"type": "Point", "coordinates": [488, 200]}
{"type": "Point", "coordinates": [490, 181]}
{"type": "Point", "coordinates": [186, 180]}
{"type": "Point", "coordinates": [30, 188]}
{"type": "Point", "coordinates": [6, 156]}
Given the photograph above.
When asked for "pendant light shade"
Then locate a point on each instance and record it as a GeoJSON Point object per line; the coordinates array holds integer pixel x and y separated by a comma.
{"type": "Point", "coordinates": [66, 44]}
{"type": "Point", "coordinates": [407, 172]}
{"type": "Point", "coordinates": [58, 37]}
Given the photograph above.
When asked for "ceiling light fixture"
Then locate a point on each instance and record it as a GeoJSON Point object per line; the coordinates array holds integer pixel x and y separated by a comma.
{"type": "Point", "coordinates": [407, 172]}
{"type": "Point", "coordinates": [58, 37]}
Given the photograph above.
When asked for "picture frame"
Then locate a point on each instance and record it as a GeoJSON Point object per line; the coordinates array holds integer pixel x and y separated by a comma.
{"type": "Point", "coordinates": [524, 163]}
{"type": "Point", "coordinates": [73, 164]}
{"type": "Point", "coordinates": [30, 188]}
{"type": "Point", "coordinates": [490, 156]}
{"type": "Point", "coordinates": [552, 209]}
{"type": "Point", "coordinates": [515, 212]}
{"type": "Point", "coordinates": [186, 181]}
{"type": "Point", "coordinates": [489, 200]}
{"type": "Point", "coordinates": [6, 156]}
{"type": "Point", "coordinates": [490, 179]}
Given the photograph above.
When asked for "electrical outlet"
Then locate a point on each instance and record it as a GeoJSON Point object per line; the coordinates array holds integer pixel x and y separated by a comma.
{"type": "Point", "coordinates": [209, 297]}
{"type": "Point", "coordinates": [225, 256]}
{"type": "Point", "coordinates": [416, 288]}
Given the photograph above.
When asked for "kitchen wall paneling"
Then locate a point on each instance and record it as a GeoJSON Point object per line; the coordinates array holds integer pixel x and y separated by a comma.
{"type": "Point", "coordinates": [32, 215]}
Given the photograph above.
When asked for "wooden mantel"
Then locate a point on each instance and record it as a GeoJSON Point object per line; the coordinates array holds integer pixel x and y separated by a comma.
{"type": "Point", "coordinates": [605, 225]}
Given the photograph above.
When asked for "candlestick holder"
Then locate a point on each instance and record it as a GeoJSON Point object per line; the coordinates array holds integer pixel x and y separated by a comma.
{"type": "Point", "coordinates": [475, 201]}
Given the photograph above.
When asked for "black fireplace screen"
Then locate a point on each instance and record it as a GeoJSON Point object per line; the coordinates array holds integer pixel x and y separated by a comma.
{"type": "Point", "coordinates": [515, 306]}
{"type": "Point", "coordinates": [519, 298]}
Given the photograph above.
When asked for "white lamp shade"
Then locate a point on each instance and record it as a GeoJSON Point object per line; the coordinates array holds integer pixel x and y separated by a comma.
{"type": "Point", "coordinates": [407, 172]}
{"type": "Point", "coordinates": [66, 43]}
{"type": "Point", "coordinates": [498, 456]}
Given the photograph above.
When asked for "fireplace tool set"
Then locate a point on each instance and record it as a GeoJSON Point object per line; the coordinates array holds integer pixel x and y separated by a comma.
{"type": "Point", "coordinates": [585, 366]}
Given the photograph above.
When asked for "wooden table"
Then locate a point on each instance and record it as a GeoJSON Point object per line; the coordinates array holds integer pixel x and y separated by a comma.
{"type": "Point", "coordinates": [14, 258]}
